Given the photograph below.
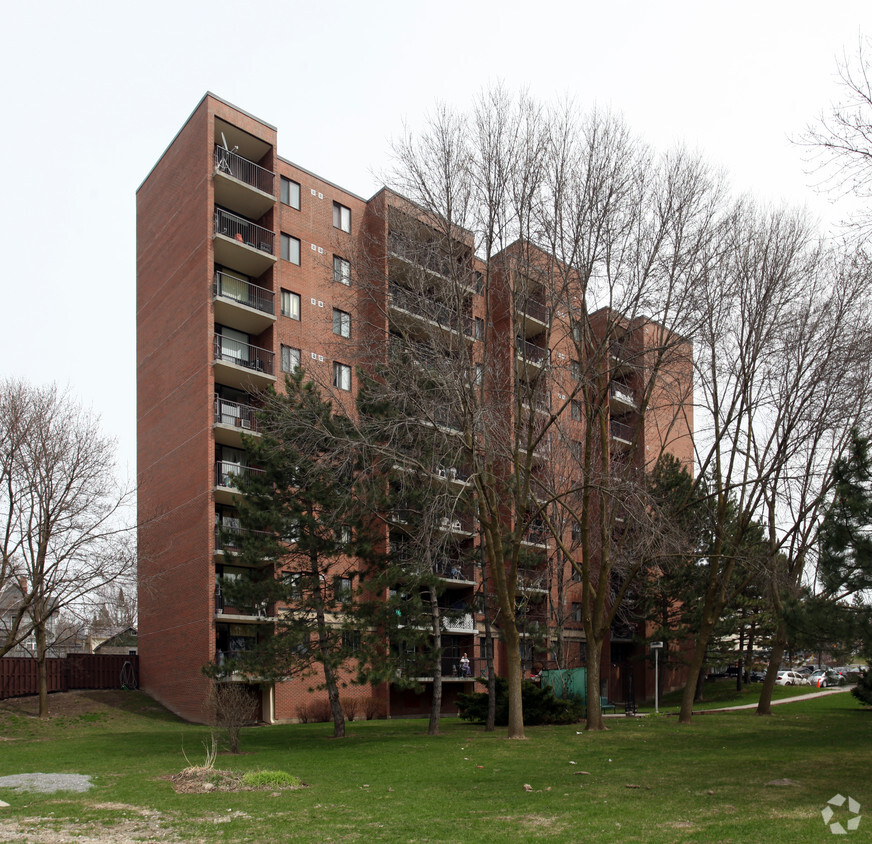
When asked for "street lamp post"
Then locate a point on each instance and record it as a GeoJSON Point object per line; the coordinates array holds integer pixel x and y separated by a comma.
{"type": "Point", "coordinates": [656, 647]}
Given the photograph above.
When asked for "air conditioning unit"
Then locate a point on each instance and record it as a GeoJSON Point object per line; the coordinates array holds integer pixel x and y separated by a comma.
{"type": "Point", "coordinates": [242, 422]}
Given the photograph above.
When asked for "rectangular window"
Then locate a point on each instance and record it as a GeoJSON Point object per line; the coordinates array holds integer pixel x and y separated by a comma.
{"type": "Point", "coordinates": [341, 217]}
{"type": "Point", "coordinates": [479, 375]}
{"type": "Point", "coordinates": [576, 537]}
{"type": "Point", "coordinates": [290, 193]}
{"type": "Point", "coordinates": [351, 641]}
{"type": "Point", "coordinates": [479, 328]}
{"type": "Point", "coordinates": [576, 333]}
{"type": "Point", "coordinates": [575, 448]}
{"type": "Point", "coordinates": [341, 323]}
{"type": "Point", "coordinates": [341, 376]}
{"type": "Point", "coordinates": [290, 359]}
{"type": "Point", "coordinates": [341, 270]}
{"type": "Point", "coordinates": [342, 588]}
{"type": "Point", "coordinates": [576, 410]}
{"type": "Point", "coordinates": [575, 370]}
{"type": "Point", "coordinates": [291, 249]}
{"type": "Point", "coordinates": [576, 612]}
{"type": "Point", "coordinates": [290, 304]}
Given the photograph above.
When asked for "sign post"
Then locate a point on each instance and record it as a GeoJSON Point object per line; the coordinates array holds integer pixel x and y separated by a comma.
{"type": "Point", "coordinates": [656, 647]}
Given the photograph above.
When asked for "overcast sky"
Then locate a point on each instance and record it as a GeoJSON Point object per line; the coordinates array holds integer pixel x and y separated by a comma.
{"type": "Point", "coordinates": [95, 91]}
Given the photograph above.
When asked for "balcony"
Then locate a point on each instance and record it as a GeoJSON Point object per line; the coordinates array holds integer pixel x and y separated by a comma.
{"type": "Point", "coordinates": [242, 365]}
{"type": "Point", "coordinates": [536, 535]}
{"type": "Point", "coordinates": [453, 474]}
{"type": "Point", "coordinates": [621, 399]}
{"type": "Point", "coordinates": [242, 244]}
{"type": "Point", "coordinates": [456, 570]}
{"type": "Point", "coordinates": [240, 304]}
{"type": "Point", "coordinates": [227, 475]}
{"type": "Point", "coordinates": [243, 185]}
{"type": "Point", "coordinates": [622, 356]}
{"type": "Point", "coordinates": [621, 435]}
{"type": "Point", "coordinates": [456, 669]}
{"type": "Point", "coordinates": [531, 356]}
{"type": "Point", "coordinates": [460, 525]}
{"type": "Point", "coordinates": [425, 255]}
{"type": "Point", "coordinates": [233, 419]}
{"type": "Point", "coordinates": [458, 623]}
{"type": "Point", "coordinates": [536, 315]}
{"type": "Point", "coordinates": [420, 314]}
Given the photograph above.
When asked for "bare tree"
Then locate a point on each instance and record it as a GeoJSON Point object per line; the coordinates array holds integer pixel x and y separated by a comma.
{"type": "Point", "coordinates": [780, 370]}
{"type": "Point", "coordinates": [62, 511]}
{"type": "Point", "coordinates": [840, 142]}
{"type": "Point", "coordinates": [531, 244]}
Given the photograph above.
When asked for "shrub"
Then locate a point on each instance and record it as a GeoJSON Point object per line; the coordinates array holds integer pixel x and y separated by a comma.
{"type": "Point", "coordinates": [372, 708]}
{"type": "Point", "coordinates": [350, 706]}
{"type": "Point", "coordinates": [232, 706]}
{"type": "Point", "coordinates": [863, 690]}
{"type": "Point", "coordinates": [319, 711]}
{"type": "Point", "coordinates": [270, 779]}
{"type": "Point", "coordinates": [540, 705]}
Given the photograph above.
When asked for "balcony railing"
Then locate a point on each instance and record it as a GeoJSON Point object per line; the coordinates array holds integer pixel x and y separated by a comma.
{"type": "Point", "coordinates": [423, 254]}
{"type": "Point", "coordinates": [227, 473]}
{"type": "Point", "coordinates": [532, 353]}
{"type": "Point", "coordinates": [452, 473]}
{"type": "Point", "coordinates": [536, 535]}
{"type": "Point", "coordinates": [622, 395]}
{"type": "Point", "coordinates": [438, 312]}
{"type": "Point", "coordinates": [453, 668]}
{"type": "Point", "coordinates": [536, 310]}
{"type": "Point", "coordinates": [458, 524]}
{"type": "Point", "coordinates": [620, 430]}
{"type": "Point", "coordinates": [244, 231]}
{"type": "Point", "coordinates": [246, 171]}
{"type": "Point", "coordinates": [244, 354]}
{"type": "Point", "coordinates": [459, 623]}
{"type": "Point", "coordinates": [228, 286]}
{"type": "Point", "coordinates": [234, 413]}
{"type": "Point", "coordinates": [454, 569]}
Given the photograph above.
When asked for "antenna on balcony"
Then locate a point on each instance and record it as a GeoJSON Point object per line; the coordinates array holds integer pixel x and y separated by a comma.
{"type": "Point", "coordinates": [226, 146]}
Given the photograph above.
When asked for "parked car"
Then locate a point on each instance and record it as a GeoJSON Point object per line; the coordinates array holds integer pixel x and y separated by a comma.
{"type": "Point", "coordinates": [790, 678]}
{"type": "Point", "coordinates": [756, 676]}
{"type": "Point", "coordinates": [825, 678]}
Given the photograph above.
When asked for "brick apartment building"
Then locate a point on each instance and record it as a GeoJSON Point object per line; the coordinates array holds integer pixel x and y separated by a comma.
{"type": "Point", "coordinates": [246, 268]}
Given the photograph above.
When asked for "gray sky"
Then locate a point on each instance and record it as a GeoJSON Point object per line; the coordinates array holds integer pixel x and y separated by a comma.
{"type": "Point", "coordinates": [97, 90]}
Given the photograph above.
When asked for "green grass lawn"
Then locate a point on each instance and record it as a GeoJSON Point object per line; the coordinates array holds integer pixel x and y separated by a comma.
{"type": "Point", "coordinates": [644, 780]}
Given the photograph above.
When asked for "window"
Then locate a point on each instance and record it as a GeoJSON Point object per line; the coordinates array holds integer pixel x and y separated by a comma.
{"type": "Point", "coordinates": [351, 641]}
{"type": "Point", "coordinates": [341, 217]}
{"type": "Point", "coordinates": [479, 328]}
{"type": "Point", "coordinates": [341, 270]}
{"type": "Point", "coordinates": [576, 537]}
{"type": "Point", "coordinates": [291, 249]}
{"type": "Point", "coordinates": [342, 588]}
{"type": "Point", "coordinates": [479, 375]}
{"type": "Point", "coordinates": [575, 449]}
{"type": "Point", "coordinates": [576, 612]}
{"type": "Point", "coordinates": [290, 304]}
{"type": "Point", "coordinates": [341, 323]}
{"type": "Point", "coordinates": [341, 376]}
{"type": "Point", "coordinates": [575, 370]}
{"type": "Point", "coordinates": [343, 535]}
{"type": "Point", "coordinates": [576, 333]}
{"type": "Point", "coordinates": [290, 193]}
{"type": "Point", "coordinates": [290, 359]}
{"type": "Point", "coordinates": [575, 409]}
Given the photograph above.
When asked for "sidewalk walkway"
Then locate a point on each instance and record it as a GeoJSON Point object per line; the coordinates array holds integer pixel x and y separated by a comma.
{"type": "Point", "coordinates": [821, 693]}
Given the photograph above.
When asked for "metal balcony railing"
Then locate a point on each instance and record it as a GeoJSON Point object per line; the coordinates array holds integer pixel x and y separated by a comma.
{"type": "Point", "coordinates": [620, 430]}
{"type": "Point", "coordinates": [622, 394]}
{"type": "Point", "coordinates": [246, 171]}
{"type": "Point", "coordinates": [458, 524]}
{"type": "Point", "coordinates": [238, 228]}
{"type": "Point", "coordinates": [242, 416]}
{"type": "Point", "coordinates": [454, 569]}
{"type": "Point", "coordinates": [239, 290]}
{"type": "Point", "coordinates": [227, 473]}
{"type": "Point", "coordinates": [463, 623]}
{"type": "Point", "coordinates": [244, 354]}
{"type": "Point", "coordinates": [426, 308]}
{"type": "Point", "coordinates": [424, 255]}
{"type": "Point", "coordinates": [532, 353]}
{"type": "Point", "coordinates": [536, 310]}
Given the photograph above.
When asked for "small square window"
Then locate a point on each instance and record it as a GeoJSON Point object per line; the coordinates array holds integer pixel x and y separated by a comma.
{"type": "Point", "coordinates": [341, 217]}
{"type": "Point", "coordinates": [290, 304]}
{"type": "Point", "coordinates": [341, 376]}
{"type": "Point", "coordinates": [290, 359]}
{"type": "Point", "coordinates": [341, 323]}
{"type": "Point", "coordinates": [576, 410]}
{"type": "Point", "coordinates": [341, 270]}
{"type": "Point", "coordinates": [290, 193]}
{"type": "Point", "coordinates": [291, 248]}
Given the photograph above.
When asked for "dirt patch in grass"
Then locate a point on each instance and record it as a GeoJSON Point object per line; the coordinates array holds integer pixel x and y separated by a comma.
{"type": "Point", "coordinates": [203, 780]}
{"type": "Point", "coordinates": [75, 704]}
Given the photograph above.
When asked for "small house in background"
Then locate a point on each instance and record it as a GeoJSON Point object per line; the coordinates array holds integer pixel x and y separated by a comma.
{"type": "Point", "coordinates": [122, 642]}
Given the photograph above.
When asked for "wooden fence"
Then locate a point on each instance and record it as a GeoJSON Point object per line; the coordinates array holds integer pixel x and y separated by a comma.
{"type": "Point", "coordinates": [18, 675]}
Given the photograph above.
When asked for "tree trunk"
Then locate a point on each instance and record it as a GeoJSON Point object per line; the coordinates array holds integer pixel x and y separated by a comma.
{"type": "Point", "coordinates": [594, 710]}
{"type": "Point", "coordinates": [436, 703]}
{"type": "Point", "coordinates": [490, 724]}
{"type": "Point", "coordinates": [693, 672]}
{"type": "Point", "coordinates": [41, 650]}
{"type": "Point", "coordinates": [779, 643]}
{"type": "Point", "coordinates": [513, 670]}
